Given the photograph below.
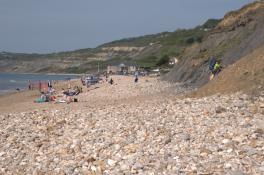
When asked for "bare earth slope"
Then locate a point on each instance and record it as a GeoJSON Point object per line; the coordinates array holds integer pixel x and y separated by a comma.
{"type": "Point", "coordinates": [247, 74]}
{"type": "Point", "coordinates": [236, 36]}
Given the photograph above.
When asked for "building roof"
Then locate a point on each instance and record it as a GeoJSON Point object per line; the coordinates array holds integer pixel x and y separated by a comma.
{"type": "Point", "coordinates": [123, 64]}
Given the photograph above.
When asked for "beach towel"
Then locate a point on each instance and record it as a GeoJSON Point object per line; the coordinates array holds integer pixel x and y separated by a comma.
{"type": "Point", "coordinates": [40, 100]}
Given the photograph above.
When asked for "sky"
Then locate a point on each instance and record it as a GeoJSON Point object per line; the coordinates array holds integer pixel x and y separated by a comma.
{"type": "Point", "coordinates": [45, 26]}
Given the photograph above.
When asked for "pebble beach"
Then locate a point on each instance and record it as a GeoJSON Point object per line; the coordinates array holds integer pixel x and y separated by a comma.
{"type": "Point", "coordinates": [133, 128]}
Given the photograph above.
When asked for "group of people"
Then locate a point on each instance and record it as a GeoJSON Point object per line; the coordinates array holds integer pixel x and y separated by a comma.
{"type": "Point", "coordinates": [71, 92]}
{"type": "Point", "coordinates": [111, 81]}
{"type": "Point", "coordinates": [45, 97]}
{"type": "Point", "coordinates": [50, 94]}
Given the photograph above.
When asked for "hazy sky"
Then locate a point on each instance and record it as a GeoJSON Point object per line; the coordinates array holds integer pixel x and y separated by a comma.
{"type": "Point", "coordinates": [43, 26]}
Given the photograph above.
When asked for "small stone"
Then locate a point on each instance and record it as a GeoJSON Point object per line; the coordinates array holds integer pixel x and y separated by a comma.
{"type": "Point", "coordinates": [220, 109]}
{"type": "Point", "coordinates": [261, 169]}
{"type": "Point", "coordinates": [93, 168]}
{"type": "Point", "coordinates": [254, 136]}
{"type": "Point", "coordinates": [124, 167]}
{"type": "Point", "coordinates": [259, 131]}
{"type": "Point", "coordinates": [111, 162]}
{"type": "Point", "coordinates": [185, 136]}
{"type": "Point", "coordinates": [91, 159]}
{"type": "Point", "coordinates": [169, 167]}
{"type": "Point", "coordinates": [229, 150]}
{"type": "Point", "coordinates": [225, 141]}
{"type": "Point", "coordinates": [228, 165]}
{"type": "Point", "coordinates": [167, 141]}
{"type": "Point", "coordinates": [205, 150]}
{"type": "Point", "coordinates": [193, 169]}
{"type": "Point", "coordinates": [251, 152]}
{"type": "Point", "coordinates": [117, 147]}
{"type": "Point", "coordinates": [56, 160]}
{"type": "Point", "coordinates": [236, 172]}
{"type": "Point", "coordinates": [137, 166]}
{"type": "Point", "coordinates": [2, 153]}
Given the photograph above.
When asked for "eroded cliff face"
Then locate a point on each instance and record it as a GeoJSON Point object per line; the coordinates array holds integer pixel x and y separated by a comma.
{"type": "Point", "coordinates": [122, 49]}
{"type": "Point", "coordinates": [236, 36]}
{"type": "Point", "coordinates": [246, 74]}
{"type": "Point", "coordinates": [242, 16]}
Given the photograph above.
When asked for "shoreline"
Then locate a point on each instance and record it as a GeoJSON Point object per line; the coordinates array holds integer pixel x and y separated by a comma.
{"type": "Point", "coordinates": [9, 92]}
{"type": "Point", "coordinates": [23, 84]}
{"type": "Point", "coordinates": [28, 73]}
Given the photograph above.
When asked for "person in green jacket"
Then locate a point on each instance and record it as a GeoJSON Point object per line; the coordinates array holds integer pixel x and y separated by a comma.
{"type": "Point", "coordinates": [217, 68]}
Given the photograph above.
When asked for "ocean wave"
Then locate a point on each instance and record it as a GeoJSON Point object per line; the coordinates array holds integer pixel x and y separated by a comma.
{"type": "Point", "coordinates": [12, 81]}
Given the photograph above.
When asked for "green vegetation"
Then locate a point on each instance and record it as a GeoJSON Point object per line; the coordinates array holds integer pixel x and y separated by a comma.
{"type": "Point", "coordinates": [184, 37]}
{"type": "Point", "coordinates": [163, 60]}
{"type": "Point", "coordinates": [211, 23]}
{"type": "Point", "coordinates": [149, 61]}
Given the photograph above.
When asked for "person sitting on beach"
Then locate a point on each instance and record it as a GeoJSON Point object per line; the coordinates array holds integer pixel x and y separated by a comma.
{"type": "Point", "coordinates": [64, 99]}
{"type": "Point", "coordinates": [77, 90]}
{"type": "Point", "coordinates": [64, 92]}
{"type": "Point", "coordinates": [52, 98]}
{"type": "Point", "coordinates": [71, 92]}
{"type": "Point", "coordinates": [43, 98]}
{"type": "Point", "coordinates": [83, 81]}
{"type": "Point", "coordinates": [69, 99]}
{"type": "Point", "coordinates": [51, 91]}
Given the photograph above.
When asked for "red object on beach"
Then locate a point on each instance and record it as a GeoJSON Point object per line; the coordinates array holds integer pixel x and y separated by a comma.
{"type": "Point", "coordinates": [41, 86]}
{"type": "Point", "coordinates": [52, 98]}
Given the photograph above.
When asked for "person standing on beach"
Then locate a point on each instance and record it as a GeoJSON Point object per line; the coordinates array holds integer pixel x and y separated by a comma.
{"type": "Point", "coordinates": [39, 86]}
{"type": "Point", "coordinates": [136, 79]}
{"type": "Point", "coordinates": [136, 76]}
{"type": "Point", "coordinates": [29, 85]}
{"type": "Point", "coordinates": [49, 85]}
{"type": "Point", "coordinates": [106, 77]}
{"type": "Point", "coordinates": [111, 81]}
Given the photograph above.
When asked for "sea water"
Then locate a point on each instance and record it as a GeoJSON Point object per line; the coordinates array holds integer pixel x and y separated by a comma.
{"type": "Point", "coordinates": [11, 81]}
